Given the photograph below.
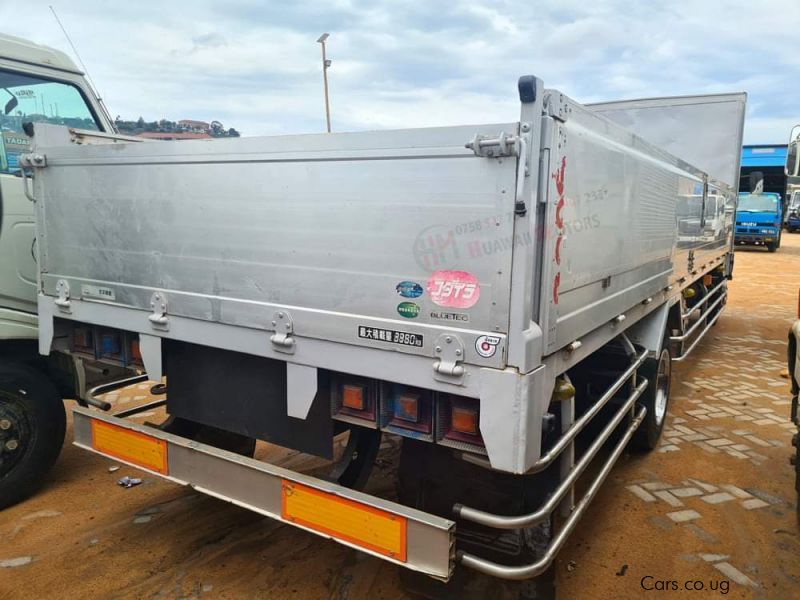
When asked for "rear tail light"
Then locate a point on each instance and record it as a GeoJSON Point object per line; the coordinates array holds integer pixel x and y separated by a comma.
{"type": "Point", "coordinates": [110, 343]}
{"type": "Point", "coordinates": [83, 340]}
{"type": "Point", "coordinates": [407, 411]}
{"type": "Point", "coordinates": [354, 399]}
{"type": "Point", "coordinates": [134, 351]}
{"type": "Point", "coordinates": [459, 423]}
{"type": "Point", "coordinates": [464, 420]}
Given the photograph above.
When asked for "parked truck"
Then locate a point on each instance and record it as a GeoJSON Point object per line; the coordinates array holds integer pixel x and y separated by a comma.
{"type": "Point", "coordinates": [792, 172]}
{"type": "Point", "coordinates": [792, 219]}
{"type": "Point", "coordinates": [759, 220]}
{"type": "Point", "coordinates": [793, 354]}
{"type": "Point", "coordinates": [37, 85]}
{"type": "Point", "coordinates": [507, 298]}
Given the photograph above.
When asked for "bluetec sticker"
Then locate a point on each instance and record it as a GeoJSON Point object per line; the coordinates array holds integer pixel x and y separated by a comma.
{"type": "Point", "coordinates": [409, 289]}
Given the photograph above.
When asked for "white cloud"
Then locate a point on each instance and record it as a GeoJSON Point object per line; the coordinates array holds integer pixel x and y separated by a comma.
{"type": "Point", "coordinates": [256, 66]}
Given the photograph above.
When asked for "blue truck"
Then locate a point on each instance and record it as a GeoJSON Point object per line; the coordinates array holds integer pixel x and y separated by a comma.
{"type": "Point", "coordinates": [759, 219]}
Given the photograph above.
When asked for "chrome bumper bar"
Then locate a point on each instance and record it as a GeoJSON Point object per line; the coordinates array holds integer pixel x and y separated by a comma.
{"type": "Point", "coordinates": [565, 488]}
{"type": "Point", "coordinates": [569, 436]}
{"type": "Point", "coordinates": [428, 541]}
{"type": "Point", "coordinates": [680, 339]}
{"type": "Point", "coordinates": [537, 568]}
{"type": "Point", "coordinates": [543, 513]}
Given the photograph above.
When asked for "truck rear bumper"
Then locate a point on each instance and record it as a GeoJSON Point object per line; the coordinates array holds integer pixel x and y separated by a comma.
{"type": "Point", "coordinates": [405, 536]}
{"type": "Point", "coordinates": [391, 531]}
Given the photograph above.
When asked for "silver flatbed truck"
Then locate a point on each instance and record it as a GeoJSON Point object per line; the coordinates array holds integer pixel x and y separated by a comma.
{"type": "Point", "coordinates": [507, 298]}
{"type": "Point", "coordinates": [37, 85]}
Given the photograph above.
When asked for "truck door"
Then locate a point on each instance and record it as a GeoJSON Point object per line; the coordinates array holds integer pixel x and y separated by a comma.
{"type": "Point", "coordinates": [25, 97]}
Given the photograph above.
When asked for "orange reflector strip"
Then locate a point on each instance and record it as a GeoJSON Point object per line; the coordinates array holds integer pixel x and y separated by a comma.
{"type": "Point", "coordinates": [131, 446]}
{"type": "Point", "coordinates": [346, 520]}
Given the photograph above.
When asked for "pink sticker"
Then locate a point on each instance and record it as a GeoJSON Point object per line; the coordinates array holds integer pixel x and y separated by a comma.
{"type": "Point", "coordinates": [454, 289]}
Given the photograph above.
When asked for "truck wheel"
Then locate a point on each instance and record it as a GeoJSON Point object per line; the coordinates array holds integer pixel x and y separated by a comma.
{"type": "Point", "coordinates": [772, 246]}
{"type": "Point", "coordinates": [32, 425]}
{"type": "Point", "coordinates": [433, 479]}
{"type": "Point", "coordinates": [656, 398]}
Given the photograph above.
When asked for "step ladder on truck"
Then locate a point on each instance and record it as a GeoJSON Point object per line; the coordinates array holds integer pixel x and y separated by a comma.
{"type": "Point", "coordinates": [508, 299]}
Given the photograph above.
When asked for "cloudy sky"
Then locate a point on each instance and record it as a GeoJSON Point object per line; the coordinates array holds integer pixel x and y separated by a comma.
{"type": "Point", "coordinates": [255, 65]}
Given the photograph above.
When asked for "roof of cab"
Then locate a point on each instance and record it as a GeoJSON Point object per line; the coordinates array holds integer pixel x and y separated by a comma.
{"type": "Point", "coordinates": [22, 50]}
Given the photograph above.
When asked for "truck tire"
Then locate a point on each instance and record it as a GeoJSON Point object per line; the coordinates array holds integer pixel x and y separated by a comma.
{"type": "Point", "coordinates": [32, 425]}
{"type": "Point", "coordinates": [656, 398]}
{"type": "Point", "coordinates": [772, 246]}
{"type": "Point", "coordinates": [433, 479]}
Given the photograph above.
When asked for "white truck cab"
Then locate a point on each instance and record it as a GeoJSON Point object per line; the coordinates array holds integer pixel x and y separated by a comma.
{"type": "Point", "coordinates": [37, 85]}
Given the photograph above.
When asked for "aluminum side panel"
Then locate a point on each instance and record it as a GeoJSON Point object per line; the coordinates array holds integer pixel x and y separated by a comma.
{"type": "Point", "coordinates": [230, 229]}
{"type": "Point", "coordinates": [620, 225]}
{"type": "Point", "coordinates": [705, 131]}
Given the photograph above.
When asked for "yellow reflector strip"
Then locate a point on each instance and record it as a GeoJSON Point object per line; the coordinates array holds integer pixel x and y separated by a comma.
{"type": "Point", "coordinates": [346, 520]}
{"type": "Point", "coordinates": [130, 446]}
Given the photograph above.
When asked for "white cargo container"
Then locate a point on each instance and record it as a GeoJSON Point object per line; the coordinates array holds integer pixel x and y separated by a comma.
{"type": "Point", "coordinates": [485, 291]}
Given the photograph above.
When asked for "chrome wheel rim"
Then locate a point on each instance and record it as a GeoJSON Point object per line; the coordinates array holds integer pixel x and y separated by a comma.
{"type": "Point", "coordinates": [662, 387]}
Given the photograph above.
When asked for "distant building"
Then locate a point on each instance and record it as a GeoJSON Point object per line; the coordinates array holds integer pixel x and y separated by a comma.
{"type": "Point", "coordinates": [173, 135]}
{"type": "Point", "coordinates": [194, 126]}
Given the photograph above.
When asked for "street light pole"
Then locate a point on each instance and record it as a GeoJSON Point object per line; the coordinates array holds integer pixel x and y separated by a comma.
{"type": "Point", "coordinates": [325, 64]}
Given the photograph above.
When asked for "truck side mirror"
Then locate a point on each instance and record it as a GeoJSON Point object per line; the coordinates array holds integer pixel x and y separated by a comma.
{"type": "Point", "coordinates": [756, 182]}
{"type": "Point", "coordinates": [11, 104]}
{"type": "Point", "coordinates": [792, 168]}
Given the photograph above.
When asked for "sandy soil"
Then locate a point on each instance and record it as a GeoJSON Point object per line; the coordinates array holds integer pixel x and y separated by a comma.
{"type": "Point", "coordinates": [723, 459]}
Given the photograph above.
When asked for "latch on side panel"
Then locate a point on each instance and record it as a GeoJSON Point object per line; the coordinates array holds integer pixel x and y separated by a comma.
{"type": "Point", "coordinates": [158, 318]}
{"type": "Point", "coordinates": [63, 302]}
{"type": "Point", "coordinates": [493, 147]}
{"type": "Point", "coordinates": [282, 340]}
{"type": "Point", "coordinates": [450, 352]}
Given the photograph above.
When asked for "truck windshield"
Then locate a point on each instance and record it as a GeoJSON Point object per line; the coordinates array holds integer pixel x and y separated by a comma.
{"type": "Point", "coordinates": [28, 98]}
{"type": "Point", "coordinates": [758, 203]}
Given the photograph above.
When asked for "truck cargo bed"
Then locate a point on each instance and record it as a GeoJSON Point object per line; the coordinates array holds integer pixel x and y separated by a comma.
{"type": "Point", "coordinates": [456, 259]}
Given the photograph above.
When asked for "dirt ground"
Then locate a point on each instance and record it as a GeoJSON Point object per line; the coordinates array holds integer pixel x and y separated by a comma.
{"type": "Point", "coordinates": [714, 506]}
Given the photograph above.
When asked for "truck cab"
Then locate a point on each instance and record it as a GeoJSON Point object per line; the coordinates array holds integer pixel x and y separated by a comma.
{"type": "Point", "coordinates": [37, 85]}
{"type": "Point", "coordinates": [759, 219]}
